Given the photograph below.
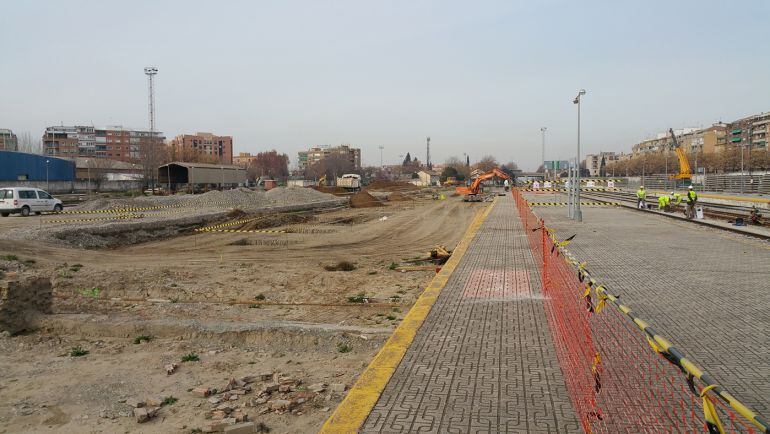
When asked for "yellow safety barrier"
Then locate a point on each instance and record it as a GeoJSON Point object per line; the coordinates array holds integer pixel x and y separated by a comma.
{"type": "Point", "coordinates": [565, 203]}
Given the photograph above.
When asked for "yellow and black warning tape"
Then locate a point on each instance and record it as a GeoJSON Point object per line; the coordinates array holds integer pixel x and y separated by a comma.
{"type": "Point", "coordinates": [224, 225]}
{"type": "Point", "coordinates": [244, 231]}
{"type": "Point", "coordinates": [660, 345]}
{"type": "Point", "coordinates": [115, 217]}
{"type": "Point", "coordinates": [564, 189]}
{"type": "Point", "coordinates": [118, 210]}
{"type": "Point", "coordinates": [581, 203]}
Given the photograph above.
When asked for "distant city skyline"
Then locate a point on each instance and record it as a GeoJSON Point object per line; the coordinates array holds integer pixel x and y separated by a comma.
{"type": "Point", "coordinates": [480, 79]}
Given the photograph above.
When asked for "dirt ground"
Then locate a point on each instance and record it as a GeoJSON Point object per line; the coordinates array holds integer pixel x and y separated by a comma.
{"type": "Point", "coordinates": [246, 304]}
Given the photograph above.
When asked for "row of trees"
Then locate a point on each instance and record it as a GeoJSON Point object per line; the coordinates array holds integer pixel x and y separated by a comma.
{"type": "Point", "coordinates": [728, 160]}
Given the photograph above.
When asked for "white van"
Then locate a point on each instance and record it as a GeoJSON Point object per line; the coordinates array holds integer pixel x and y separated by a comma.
{"type": "Point", "coordinates": [25, 200]}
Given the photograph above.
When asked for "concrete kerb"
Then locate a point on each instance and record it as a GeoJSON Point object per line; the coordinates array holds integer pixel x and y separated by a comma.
{"type": "Point", "coordinates": [355, 408]}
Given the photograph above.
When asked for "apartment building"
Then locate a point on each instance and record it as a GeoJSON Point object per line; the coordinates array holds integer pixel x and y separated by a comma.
{"type": "Point", "coordinates": [8, 140]}
{"type": "Point", "coordinates": [749, 131]}
{"type": "Point", "coordinates": [316, 154]}
{"type": "Point", "coordinates": [244, 159]}
{"type": "Point", "coordinates": [594, 162]}
{"type": "Point", "coordinates": [220, 147]}
{"type": "Point", "coordinates": [112, 142]}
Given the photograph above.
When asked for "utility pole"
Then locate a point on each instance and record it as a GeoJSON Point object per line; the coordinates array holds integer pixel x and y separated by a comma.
{"type": "Point", "coordinates": [150, 72]}
{"type": "Point", "coordinates": [381, 148]}
{"type": "Point", "coordinates": [427, 159]}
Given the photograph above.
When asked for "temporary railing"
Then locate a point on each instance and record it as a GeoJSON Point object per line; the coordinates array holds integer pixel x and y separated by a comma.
{"type": "Point", "coordinates": [621, 375]}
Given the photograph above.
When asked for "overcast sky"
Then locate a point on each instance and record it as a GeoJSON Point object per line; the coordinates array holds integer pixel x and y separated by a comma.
{"type": "Point", "coordinates": [479, 77]}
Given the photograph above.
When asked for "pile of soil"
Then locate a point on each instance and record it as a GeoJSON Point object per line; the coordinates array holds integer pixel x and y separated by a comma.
{"type": "Point", "coordinates": [398, 197]}
{"type": "Point", "coordinates": [362, 199]}
{"type": "Point", "coordinates": [274, 220]}
{"type": "Point", "coordinates": [337, 191]}
{"type": "Point", "coordinates": [391, 186]}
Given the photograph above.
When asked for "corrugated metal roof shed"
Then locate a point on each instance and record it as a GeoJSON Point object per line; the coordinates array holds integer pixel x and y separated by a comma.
{"type": "Point", "coordinates": [201, 173]}
{"type": "Point", "coordinates": [20, 166]}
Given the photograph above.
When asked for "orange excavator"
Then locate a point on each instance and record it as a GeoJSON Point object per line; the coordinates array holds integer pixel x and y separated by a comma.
{"type": "Point", "coordinates": [472, 193]}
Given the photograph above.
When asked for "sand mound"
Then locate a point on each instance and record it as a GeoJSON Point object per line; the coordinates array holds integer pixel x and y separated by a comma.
{"type": "Point", "coordinates": [363, 199]}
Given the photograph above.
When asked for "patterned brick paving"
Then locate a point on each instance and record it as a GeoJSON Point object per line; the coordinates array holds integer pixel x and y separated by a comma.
{"type": "Point", "coordinates": [483, 361]}
{"type": "Point", "coordinates": [707, 290]}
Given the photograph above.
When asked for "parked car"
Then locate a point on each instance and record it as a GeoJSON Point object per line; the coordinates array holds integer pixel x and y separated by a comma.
{"type": "Point", "coordinates": [25, 200]}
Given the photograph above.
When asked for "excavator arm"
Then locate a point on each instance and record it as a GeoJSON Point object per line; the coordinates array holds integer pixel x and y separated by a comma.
{"type": "Point", "coordinates": [475, 186]}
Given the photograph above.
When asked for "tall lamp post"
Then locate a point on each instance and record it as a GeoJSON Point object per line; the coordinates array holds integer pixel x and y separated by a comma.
{"type": "Point", "coordinates": [47, 184]}
{"type": "Point", "coordinates": [545, 169]}
{"type": "Point", "coordinates": [578, 215]}
{"type": "Point", "coordinates": [381, 148]}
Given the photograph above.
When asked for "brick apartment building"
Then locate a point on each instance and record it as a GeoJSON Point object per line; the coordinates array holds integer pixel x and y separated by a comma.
{"type": "Point", "coordinates": [114, 142]}
{"type": "Point", "coordinates": [220, 147]}
{"type": "Point", "coordinates": [8, 140]}
{"type": "Point", "coordinates": [316, 154]}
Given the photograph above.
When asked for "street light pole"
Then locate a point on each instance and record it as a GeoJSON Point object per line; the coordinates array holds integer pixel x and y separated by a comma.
{"type": "Point", "coordinates": [578, 214]}
{"type": "Point", "coordinates": [545, 169]}
{"type": "Point", "coordinates": [381, 148]}
{"type": "Point", "coordinates": [47, 184]}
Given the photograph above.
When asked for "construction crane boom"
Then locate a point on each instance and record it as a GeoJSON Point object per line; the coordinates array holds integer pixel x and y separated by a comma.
{"type": "Point", "coordinates": [684, 165]}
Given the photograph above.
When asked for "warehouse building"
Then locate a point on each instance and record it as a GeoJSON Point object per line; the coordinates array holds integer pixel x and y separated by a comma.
{"type": "Point", "coordinates": [180, 175]}
{"type": "Point", "coordinates": [21, 166]}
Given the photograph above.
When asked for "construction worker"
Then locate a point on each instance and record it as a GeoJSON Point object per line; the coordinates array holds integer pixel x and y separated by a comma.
{"type": "Point", "coordinates": [676, 198]}
{"type": "Point", "coordinates": [663, 203]}
{"type": "Point", "coordinates": [692, 199]}
{"type": "Point", "coordinates": [641, 197]}
{"type": "Point", "coordinates": [506, 184]}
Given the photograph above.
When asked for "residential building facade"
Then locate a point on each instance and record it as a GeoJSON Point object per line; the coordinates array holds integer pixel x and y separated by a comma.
{"type": "Point", "coordinates": [8, 140]}
{"type": "Point", "coordinates": [220, 147]}
{"type": "Point", "coordinates": [316, 154]}
{"type": "Point", "coordinates": [244, 159]}
{"type": "Point", "coordinates": [594, 162]}
{"type": "Point", "coordinates": [113, 142]}
{"type": "Point", "coordinates": [750, 131]}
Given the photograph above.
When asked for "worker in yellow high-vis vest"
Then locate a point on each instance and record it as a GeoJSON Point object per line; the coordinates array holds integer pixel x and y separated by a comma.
{"type": "Point", "coordinates": [641, 197]}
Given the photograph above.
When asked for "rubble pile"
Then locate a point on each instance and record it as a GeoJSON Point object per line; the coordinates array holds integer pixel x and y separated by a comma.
{"type": "Point", "coordinates": [266, 392]}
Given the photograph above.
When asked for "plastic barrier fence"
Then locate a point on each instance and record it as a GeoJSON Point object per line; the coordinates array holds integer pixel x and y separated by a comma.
{"type": "Point", "coordinates": [621, 375]}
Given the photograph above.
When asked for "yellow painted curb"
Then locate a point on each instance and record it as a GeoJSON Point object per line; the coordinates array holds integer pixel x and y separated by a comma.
{"type": "Point", "coordinates": [355, 408]}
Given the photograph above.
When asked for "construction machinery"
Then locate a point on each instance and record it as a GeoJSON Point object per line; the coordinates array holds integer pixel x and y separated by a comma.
{"type": "Point", "coordinates": [684, 166]}
{"type": "Point", "coordinates": [321, 181]}
{"type": "Point", "coordinates": [472, 193]}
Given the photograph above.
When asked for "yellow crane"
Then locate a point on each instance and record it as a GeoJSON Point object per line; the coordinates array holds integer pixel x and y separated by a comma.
{"type": "Point", "coordinates": [684, 165]}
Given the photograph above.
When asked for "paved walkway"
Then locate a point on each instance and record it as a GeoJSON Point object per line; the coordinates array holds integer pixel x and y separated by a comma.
{"type": "Point", "coordinates": [483, 360]}
{"type": "Point", "coordinates": [705, 289]}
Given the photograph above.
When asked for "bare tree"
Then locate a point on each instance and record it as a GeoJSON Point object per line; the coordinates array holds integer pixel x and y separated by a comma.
{"type": "Point", "coordinates": [486, 163]}
{"type": "Point", "coordinates": [332, 166]}
{"type": "Point", "coordinates": [27, 144]}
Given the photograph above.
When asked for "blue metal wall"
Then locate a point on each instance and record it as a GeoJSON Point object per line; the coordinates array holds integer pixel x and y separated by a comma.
{"type": "Point", "coordinates": [14, 164]}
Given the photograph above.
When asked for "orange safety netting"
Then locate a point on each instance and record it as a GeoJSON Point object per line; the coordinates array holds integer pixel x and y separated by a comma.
{"type": "Point", "coordinates": [616, 381]}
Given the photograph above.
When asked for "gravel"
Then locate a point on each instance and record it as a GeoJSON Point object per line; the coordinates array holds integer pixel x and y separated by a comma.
{"type": "Point", "coordinates": [184, 213]}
